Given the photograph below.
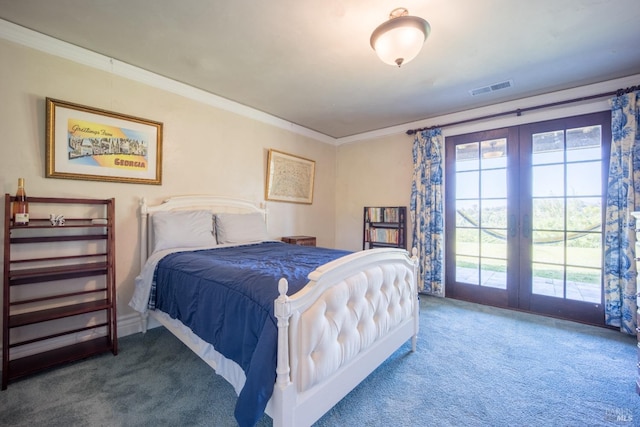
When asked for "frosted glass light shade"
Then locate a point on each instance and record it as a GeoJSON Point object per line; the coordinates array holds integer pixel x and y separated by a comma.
{"type": "Point", "coordinates": [400, 39]}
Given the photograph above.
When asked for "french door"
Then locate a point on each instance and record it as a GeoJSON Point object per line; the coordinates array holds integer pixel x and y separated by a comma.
{"type": "Point", "coordinates": [524, 216]}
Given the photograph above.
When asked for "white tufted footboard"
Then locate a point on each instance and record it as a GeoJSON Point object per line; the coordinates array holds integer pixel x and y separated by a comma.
{"type": "Point", "coordinates": [351, 316]}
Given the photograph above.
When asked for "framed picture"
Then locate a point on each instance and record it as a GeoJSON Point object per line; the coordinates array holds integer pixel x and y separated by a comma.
{"type": "Point", "coordinates": [98, 145]}
{"type": "Point", "coordinates": [289, 178]}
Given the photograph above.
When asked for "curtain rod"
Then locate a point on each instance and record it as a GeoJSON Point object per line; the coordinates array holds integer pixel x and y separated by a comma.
{"type": "Point", "coordinates": [519, 111]}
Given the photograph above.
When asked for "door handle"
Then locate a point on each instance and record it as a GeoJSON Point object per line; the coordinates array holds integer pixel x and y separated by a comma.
{"type": "Point", "coordinates": [526, 227]}
{"type": "Point", "coordinates": [512, 226]}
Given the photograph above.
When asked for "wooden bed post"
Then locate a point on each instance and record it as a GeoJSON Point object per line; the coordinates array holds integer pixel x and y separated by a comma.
{"type": "Point", "coordinates": [283, 392]}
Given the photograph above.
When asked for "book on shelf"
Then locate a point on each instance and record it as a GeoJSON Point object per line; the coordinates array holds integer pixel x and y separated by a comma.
{"type": "Point", "coordinates": [387, 214]}
{"type": "Point", "coordinates": [383, 235]}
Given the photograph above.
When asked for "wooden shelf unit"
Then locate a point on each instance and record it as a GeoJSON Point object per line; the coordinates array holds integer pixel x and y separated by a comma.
{"type": "Point", "coordinates": [91, 256]}
{"type": "Point", "coordinates": [384, 227]}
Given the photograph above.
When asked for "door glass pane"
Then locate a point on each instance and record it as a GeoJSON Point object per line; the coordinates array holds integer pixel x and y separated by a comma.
{"type": "Point", "coordinates": [584, 249]}
{"type": "Point", "coordinates": [584, 179]}
{"type": "Point", "coordinates": [481, 212]}
{"type": "Point", "coordinates": [467, 157]}
{"type": "Point", "coordinates": [494, 153]}
{"type": "Point", "coordinates": [548, 247]}
{"type": "Point", "coordinates": [584, 214]}
{"type": "Point", "coordinates": [548, 181]}
{"type": "Point", "coordinates": [468, 185]}
{"type": "Point", "coordinates": [584, 143]}
{"type": "Point", "coordinates": [468, 270]}
{"type": "Point", "coordinates": [547, 148]}
{"type": "Point", "coordinates": [566, 221]}
{"type": "Point", "coordinates": [494, 183]}
{"type": "Point", "coordinates": [583, 284]}
{"type": "Point", "coordinates": [547, 280]}
{"type": "Point", "coordinates": [494, 243]}
{"type": "Point", "coordinates": [548, 214]}
{"type": "Point", "coordinates": [467, 241]}
{"type": "Point", "coordinates": [493, 273]}
{"type": "Point", "coordinates": [494, 214]}
{"type": "Point", "coordinates": [467, 213]}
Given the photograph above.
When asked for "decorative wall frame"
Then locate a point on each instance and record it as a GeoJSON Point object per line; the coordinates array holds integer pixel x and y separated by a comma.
{"type": "Point", "coordinates": [98, 145]}
{"type": "Point", "coordinates": [289, 178]}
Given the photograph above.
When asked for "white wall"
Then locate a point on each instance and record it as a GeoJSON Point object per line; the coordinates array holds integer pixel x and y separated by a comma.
{"type": "Point", "coordinates": [371, 173]}
{"type": "Point", "coordinates": [205, 150]}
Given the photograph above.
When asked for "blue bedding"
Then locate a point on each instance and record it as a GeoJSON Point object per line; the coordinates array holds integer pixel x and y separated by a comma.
{"type": "Point", "coordinates": [225, 296]}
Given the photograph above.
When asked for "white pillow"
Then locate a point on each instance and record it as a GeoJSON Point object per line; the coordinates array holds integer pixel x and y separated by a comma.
{"type": "Point", "coordinates": [183, 229]}
{"type": "Point", "coordinates": [240, 228]}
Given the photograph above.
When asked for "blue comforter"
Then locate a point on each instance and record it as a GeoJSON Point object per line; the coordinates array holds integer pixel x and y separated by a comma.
{"type": "Point", "coordinates": [226, 296]}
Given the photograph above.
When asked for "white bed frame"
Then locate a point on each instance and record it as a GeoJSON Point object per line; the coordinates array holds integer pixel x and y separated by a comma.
{"type": "Point", "coordinates": [351, 316]}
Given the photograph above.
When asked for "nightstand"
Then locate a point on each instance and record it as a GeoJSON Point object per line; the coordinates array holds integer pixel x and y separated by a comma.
{"type": "Point", "coordinates": [300, 240]}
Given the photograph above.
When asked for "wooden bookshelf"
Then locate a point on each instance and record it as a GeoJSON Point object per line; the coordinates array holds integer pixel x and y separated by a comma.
{"type": "Point", "coordinates": [32, 259]}
{"type": "Point", "coordinates": [384, 226]}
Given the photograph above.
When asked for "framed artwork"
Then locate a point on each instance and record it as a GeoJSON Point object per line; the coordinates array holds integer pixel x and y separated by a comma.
{"type": "Point", "coordinates": [289, 178]}
{"type": "Point", "coordinates": [97, 145]}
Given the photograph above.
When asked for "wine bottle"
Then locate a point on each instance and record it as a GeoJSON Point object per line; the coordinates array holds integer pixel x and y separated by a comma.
{"type": "Point", "coordinates": [20, 206]}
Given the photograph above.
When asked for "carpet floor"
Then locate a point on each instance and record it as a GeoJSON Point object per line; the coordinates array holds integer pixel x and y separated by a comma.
{"type": "Point", "coordinates": [475, 366]}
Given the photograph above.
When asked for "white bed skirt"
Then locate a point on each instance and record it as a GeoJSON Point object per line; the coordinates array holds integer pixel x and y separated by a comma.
{"type": "Point", "coordinates": [226, 368]}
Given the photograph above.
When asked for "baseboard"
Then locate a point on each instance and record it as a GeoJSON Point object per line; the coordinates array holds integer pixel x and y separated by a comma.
{"type": "Point", "coordinates": [127, 325]}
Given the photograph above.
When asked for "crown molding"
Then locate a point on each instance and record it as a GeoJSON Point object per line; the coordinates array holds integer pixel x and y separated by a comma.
{"type": "Point", "coordinates": [564, 110]}
{"type": "Point", "coordinates": [32, 39]}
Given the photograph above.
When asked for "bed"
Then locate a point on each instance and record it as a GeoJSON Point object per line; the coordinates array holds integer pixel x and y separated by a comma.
{"type": "Point", "coordinates": [330, 317]}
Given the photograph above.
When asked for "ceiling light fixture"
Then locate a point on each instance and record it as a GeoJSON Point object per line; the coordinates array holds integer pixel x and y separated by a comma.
{"type": "Point", "coordinates": [400, 39]}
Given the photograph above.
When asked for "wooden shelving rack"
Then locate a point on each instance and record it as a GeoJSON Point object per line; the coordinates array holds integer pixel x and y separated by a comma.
{"type": "Point", "coordinates": [92, 256]}
{"type": "Point", "coordinates": [384, 227]}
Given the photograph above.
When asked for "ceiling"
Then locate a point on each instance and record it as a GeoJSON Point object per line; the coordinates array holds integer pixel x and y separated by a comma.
{"type": "Point", "coordinates": [310, 63]}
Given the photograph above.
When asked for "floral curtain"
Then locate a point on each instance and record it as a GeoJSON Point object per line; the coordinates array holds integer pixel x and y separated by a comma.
{"type": "Point", "coordinates": [623, 197]}
{"type": "Point", "coordinates": [427, 214]}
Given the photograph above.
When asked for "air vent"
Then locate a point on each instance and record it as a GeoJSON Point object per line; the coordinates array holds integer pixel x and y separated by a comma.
{"type": "Point", "coordinates": [491, 88]}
